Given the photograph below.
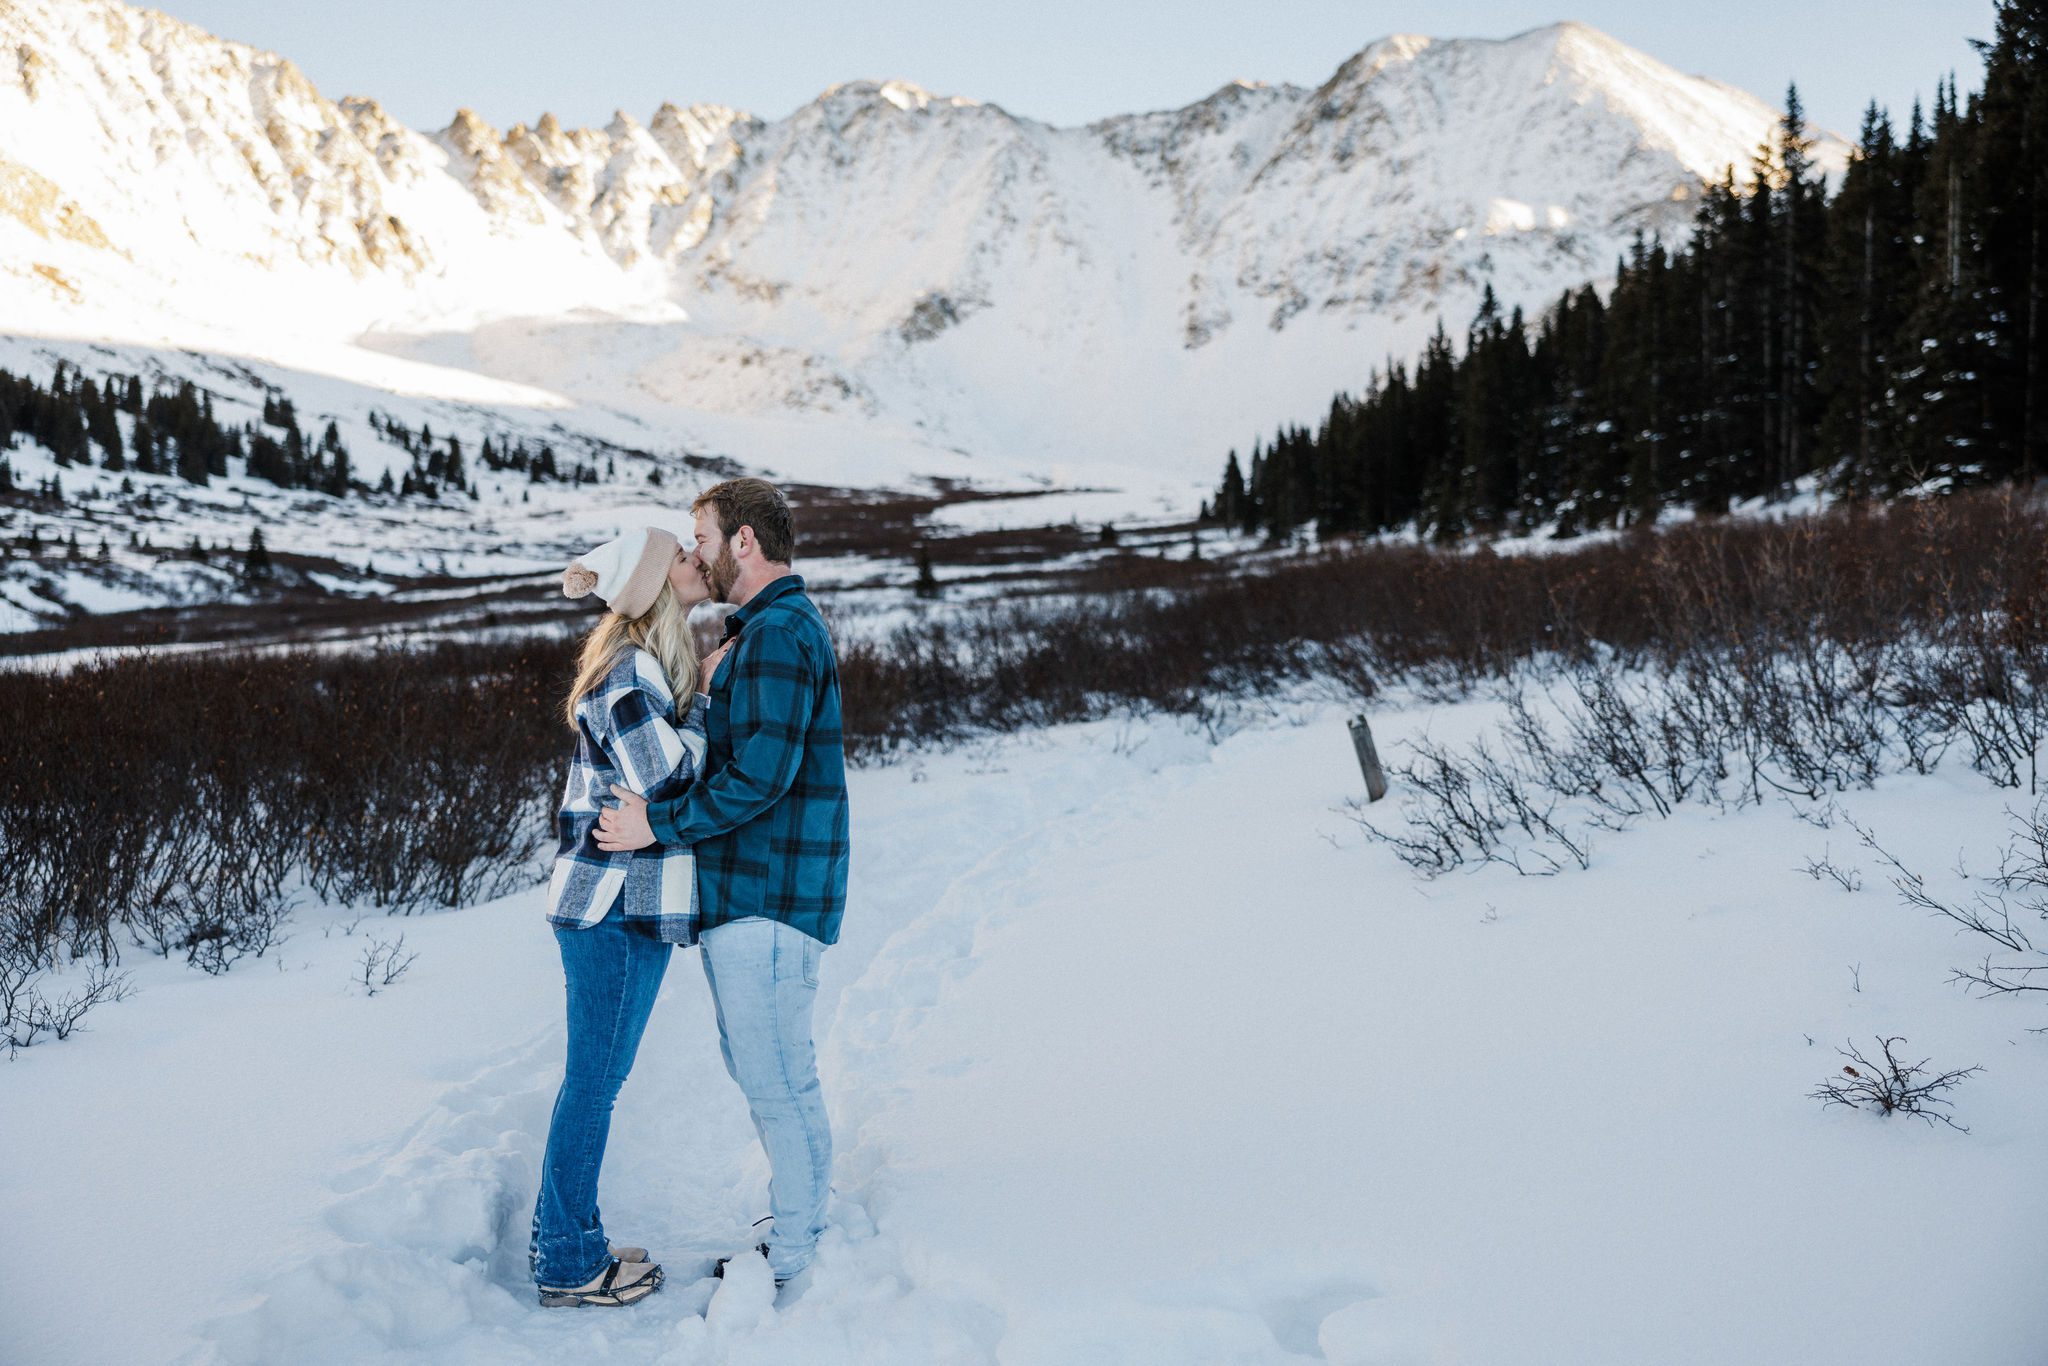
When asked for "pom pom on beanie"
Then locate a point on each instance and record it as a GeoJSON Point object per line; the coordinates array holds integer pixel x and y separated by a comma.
{"type": "Point", "coordinates": [626, 571]}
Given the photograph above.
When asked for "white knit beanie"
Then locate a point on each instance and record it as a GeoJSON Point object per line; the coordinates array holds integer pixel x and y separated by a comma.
{"type": "Point", "coordinates": [626, 571]}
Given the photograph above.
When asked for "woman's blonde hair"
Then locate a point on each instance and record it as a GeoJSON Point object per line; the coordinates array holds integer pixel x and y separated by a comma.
{"type": "Point", "coordinates": [663, 630]}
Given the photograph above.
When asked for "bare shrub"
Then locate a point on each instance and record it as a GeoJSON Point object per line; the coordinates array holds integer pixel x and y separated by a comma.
{"type": "Point", "coordinates": [438, 790]}
{"type": "Point", "coordinates": [1467, 807]}
{"type": "Point", "coordinates": [383, 963]}
{"type": "Point", "coordinates": [1987, 914]}
{"type": "Point", "coordinates": [27, 1014]}
{"type": "Point", "coordinates": [1825, 868]}
{"type": "Point", "coordinates": [1892, 1086]}
{"type": "Point", "coordinates": [1976, 682]}
{"type": "Point", "coordinates": [1354, 666]}
{"type": "Point", "coordinates": [173, 797]}
{"type": "Point", "coordinates": [1803, 660]}
{"type": "Point", "coordinates": [1997, 914]}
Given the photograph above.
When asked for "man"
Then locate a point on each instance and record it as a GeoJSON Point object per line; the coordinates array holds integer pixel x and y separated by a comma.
{"type": "Point", "coordinates": [769, 823]}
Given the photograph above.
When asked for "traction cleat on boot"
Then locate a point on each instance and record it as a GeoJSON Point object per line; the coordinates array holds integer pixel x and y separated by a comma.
{"type": "Point", "coordinates": [718, 1267]}
{"type": "Point", "coordinates": [619, 1284]}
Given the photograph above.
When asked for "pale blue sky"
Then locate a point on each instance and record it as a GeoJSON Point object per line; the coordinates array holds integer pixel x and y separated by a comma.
{"type": "Point", "coordinates": [1063, 61]}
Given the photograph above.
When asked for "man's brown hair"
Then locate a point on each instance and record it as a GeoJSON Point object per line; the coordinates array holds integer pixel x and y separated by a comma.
{"type": "Point", "coordinates": [755, 503]}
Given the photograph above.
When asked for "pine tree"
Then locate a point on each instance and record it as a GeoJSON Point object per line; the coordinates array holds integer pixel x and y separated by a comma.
{"type": "Point", "coordinates": [214, 440]}
{"type": "Point", "coordinates": [1799, 230]}
{"type": "Point", "coordinates": [256, 559]}
{"type": "Point", "coordinates": [2006, 196]}
{"type": "Point", "coordinates": [1431, 456]}
{"type": "Point", "coordinates": [101, 424]}
{"type": "Point", "coordinates": [1869, 250]}
{"type": "Point", "coordinates": [1482, 488]}
{"type": "Point", "coordinates": [1941, 410]}
{"type": "Point", "coordinates": [1632, 480]}
{"type": "Point", "coordinates": [1230, 498]}
{"type": "Point", "coordinates": [143, 437]}
{"type": "Point", "coordinates": [66, 435]}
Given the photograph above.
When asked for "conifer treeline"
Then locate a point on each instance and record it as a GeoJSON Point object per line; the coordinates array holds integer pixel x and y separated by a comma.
{"type": "Point", "coordinates": [436, 464]}
{"type": "Point", "coordinates": [1888, 338]}
{"type": "Point", "coordinates": [173, 431]}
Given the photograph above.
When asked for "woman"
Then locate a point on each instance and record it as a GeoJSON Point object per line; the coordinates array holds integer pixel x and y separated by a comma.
{"type": "Point", "coordinates": [639, 721]}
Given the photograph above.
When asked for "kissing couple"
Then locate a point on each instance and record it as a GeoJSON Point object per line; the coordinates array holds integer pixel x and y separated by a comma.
{"type": "Point", "coordinates": [706, 805]}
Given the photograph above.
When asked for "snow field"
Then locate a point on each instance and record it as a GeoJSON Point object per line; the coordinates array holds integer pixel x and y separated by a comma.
{"type": "Point", "coordinates": [1136, 1051]}
{"type": "Point", "coordinates": [514, 526]}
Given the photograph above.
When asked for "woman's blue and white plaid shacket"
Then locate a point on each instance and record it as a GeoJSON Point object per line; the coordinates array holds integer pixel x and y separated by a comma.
{"type": "Point", "coordinates": [624, 735]}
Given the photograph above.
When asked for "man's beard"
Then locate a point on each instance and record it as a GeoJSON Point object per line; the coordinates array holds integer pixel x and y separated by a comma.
{"type": "Point", "coordinates": [723, 572]}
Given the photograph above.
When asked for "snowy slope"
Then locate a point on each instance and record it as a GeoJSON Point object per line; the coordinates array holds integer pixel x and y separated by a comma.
{"type": "Point", "coordinates": [1123, 1068]}
{"type": "Point", "coordinates": [884, 268]}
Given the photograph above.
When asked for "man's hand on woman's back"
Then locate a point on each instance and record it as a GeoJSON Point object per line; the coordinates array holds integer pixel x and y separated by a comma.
{"type": "Point", "coordinates": [625, 826]}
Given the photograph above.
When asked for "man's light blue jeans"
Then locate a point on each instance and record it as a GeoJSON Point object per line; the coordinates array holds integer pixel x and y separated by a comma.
{"type": "Point", "coordinates": [613, 970]}
{"type": "Point", "coordinates": [764, 980]}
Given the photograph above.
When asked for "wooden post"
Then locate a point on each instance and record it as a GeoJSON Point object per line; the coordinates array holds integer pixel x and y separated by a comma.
{"type": "Point", "coordinates": [1368, 758]}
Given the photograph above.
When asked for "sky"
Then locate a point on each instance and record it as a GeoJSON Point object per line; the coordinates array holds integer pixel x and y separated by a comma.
{"type": "Point", "coordinates": [1060, 61]}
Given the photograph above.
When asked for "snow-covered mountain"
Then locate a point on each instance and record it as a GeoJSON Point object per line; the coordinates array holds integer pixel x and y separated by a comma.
{"type": "Point", "coordinates": [886, 281]}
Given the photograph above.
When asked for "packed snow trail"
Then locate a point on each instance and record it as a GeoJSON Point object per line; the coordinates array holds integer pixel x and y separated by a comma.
{"type": "Point", "coordinates": [436, 1267]}
{"type": "Point", "coordinates": [1136, 1052]}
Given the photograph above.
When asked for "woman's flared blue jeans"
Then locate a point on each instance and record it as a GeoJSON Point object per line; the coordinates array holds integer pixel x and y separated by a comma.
{"type": "Point", "coordinates": [613, 970]}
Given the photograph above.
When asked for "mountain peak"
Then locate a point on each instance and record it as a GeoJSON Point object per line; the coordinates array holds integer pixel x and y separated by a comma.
{"type": "Point", "coordinates": [1580, 44]}
{"type": "Point", "coordinates": [1576, 31]}
{"type": "Point", "coordinates": [908, 96]}
{"type": "Point", "coordinates": [1381, 53]}
{"type": "Point", "coordinates": [470, 131]}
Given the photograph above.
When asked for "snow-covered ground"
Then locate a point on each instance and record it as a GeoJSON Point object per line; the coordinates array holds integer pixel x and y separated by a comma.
{"type": "Point", "coordinates": [1137, 1051]}
{"type": "Point", "coordinates": [376, 543]}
